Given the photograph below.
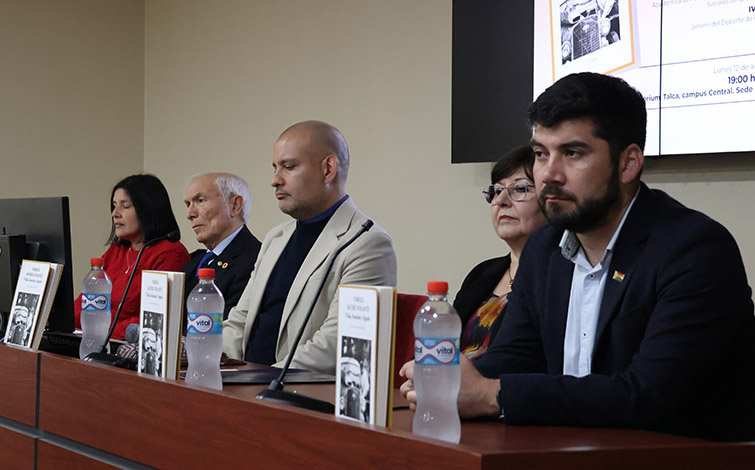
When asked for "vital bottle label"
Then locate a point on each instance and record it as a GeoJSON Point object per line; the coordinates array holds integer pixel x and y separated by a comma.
{"type": "Point", "coordinates": [205, 324]}
{"type": "Point", "coordinates": [95, 302]}
{"type": "Point", "coordinates": [436, 351]}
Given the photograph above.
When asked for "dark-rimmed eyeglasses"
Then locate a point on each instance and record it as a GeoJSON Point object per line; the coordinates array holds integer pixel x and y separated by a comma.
{"type": "Point", "coordinates": [517, 191]}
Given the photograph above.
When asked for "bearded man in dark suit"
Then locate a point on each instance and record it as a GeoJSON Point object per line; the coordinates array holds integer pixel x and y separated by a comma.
{"type": "Point", "coordinates": [628, 310]}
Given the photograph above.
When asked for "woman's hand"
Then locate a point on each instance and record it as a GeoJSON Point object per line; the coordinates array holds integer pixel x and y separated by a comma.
{"type": "Point", "coordinates": [407, 388]}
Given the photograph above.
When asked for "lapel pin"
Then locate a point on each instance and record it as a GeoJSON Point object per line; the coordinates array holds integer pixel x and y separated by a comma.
{"type": "Point", "coordinates": [225, 265]}
{"type": "Point", "coordinates": [220, 263]}
{"type": "Point", "coordinates": [617, 276]}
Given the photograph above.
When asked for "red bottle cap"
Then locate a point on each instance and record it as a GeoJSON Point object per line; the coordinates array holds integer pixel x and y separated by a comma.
{"type": "Point", "coordinates": [437, 287]}
{"type": "Point", "coordinates": [206, 273]}
{"type": "Point", "coordinates": [97, 261]}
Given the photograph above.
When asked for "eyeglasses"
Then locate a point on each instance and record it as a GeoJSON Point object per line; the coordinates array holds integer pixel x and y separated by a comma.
{"type": "Point", "coordinates": [517, 191]}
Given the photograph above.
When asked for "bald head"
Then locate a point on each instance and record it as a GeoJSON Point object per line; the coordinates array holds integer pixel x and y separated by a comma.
{"type": "Point", "coordinates": [323, 139]}
{"type": "Point", "coordinates": [310, 162]}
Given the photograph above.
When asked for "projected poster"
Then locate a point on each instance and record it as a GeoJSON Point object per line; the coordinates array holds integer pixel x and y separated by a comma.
{"type": "Point", "coordinates": [591, 35]}
{"type": "Point", "coordinates": [693, 60]}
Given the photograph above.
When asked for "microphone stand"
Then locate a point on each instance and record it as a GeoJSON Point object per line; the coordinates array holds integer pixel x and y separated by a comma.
{"type": "Point", "coordinates": [275, 392]}
{"type": "Point", "coordinates": [100, 356]}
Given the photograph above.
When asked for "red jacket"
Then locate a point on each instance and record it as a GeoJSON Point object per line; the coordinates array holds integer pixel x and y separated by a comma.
{"type": "Point", "coordinates": [119, 261]}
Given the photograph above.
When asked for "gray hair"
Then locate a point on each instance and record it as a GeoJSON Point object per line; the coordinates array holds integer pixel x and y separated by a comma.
{"type": "Point", "coordinates": [229, 186]}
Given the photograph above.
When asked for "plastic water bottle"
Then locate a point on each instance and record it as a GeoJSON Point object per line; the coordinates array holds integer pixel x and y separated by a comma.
{"type": "Point", "coordinates": [437, 328]}
{"type": "Point", "coordinates": [204, 337]}
{"type": "Point", "coordinates": [95, 308]}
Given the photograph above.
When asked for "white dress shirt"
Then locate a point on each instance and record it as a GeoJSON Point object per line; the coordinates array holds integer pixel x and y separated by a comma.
{"type": "Point", "coordinates": [588, 283]}
{"type": "Point", "coordinates": [226, 241]}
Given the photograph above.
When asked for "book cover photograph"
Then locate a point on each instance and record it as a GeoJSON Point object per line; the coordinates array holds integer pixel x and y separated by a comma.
{"type": "Point", "coordinates": [22, 319]}
{"type": "Point", "coordinates": [364, 366]}
{"type": "Point", "coordinates": [151, 339]}
{"type": "Point", "coordinates": [152, 324]}
{"type": "Point", "coordinates": [161, 323]}
{"type": "Point", "coordinates": [354, 365]}
{"type": "Point", "coordinates": [31, 288]}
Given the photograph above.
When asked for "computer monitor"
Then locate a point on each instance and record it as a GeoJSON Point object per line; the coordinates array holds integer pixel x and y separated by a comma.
{"type": "Point", "coordinates": [46, 224]}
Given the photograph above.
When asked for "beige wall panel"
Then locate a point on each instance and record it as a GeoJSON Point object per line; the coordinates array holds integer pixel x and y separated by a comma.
{"type": "Point", "coordinates": [221, 82]}
{"type": "Point", "coordinates": [71, 107]}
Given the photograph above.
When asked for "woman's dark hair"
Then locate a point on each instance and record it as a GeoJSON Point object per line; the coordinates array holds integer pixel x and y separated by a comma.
{"type": "Point", "coordinates": [519, 158]}
{"type": "Point", "coordinates": [152, 206]}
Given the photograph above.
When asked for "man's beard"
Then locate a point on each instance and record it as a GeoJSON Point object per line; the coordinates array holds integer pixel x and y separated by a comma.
{"type": "Point", "coordinates": [588, 215]}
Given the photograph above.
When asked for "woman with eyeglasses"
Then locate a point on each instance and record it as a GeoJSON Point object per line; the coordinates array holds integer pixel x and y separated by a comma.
{"type": "Point", "coordinates": [515, 213]}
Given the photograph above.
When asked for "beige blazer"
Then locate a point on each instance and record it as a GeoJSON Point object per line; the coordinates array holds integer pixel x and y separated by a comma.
{"type": "Point", "coordinates": [370, 260]}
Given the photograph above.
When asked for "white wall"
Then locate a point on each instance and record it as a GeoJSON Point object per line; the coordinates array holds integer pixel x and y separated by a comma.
{"type": "Point", "coordinates": [222, 83]}
{"type": "Point", "coordinates": [93, 90]}
{"type": "Point", "coordinates": [71, 107]}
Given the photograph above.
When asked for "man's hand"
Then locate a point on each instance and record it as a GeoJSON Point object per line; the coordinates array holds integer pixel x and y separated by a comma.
{"type": "Point", "coordinates": [477, 395]}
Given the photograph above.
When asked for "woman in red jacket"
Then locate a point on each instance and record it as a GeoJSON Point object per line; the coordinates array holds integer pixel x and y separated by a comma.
{"type": "Point", "coordinates": [141, 211]}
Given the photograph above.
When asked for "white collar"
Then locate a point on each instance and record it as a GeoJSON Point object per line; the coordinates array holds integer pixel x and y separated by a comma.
{"type": "Point", "coordinates": [226, 241]}
{"type": "Point", "coordinates": [570, 244]}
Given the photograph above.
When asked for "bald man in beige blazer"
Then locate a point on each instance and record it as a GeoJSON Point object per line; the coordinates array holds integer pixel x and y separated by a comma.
{"type": "Point", "coordinates": [311, 162]}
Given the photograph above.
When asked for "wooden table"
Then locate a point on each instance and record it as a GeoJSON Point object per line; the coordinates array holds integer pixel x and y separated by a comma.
{"type": "Point", "coordinates": [58, 412]}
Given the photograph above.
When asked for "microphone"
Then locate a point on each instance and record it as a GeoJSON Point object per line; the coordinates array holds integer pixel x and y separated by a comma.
{"type": "Point", "coordinates": [275, 392]}
{"type": "Point", "coordinates": [100, 356]}
{"type": "Point", "coordinates": [129, 352]}
{"type": "Point", "coordinates": [132, 333]}
{"type": "Point", "coordinates": [172, 237]}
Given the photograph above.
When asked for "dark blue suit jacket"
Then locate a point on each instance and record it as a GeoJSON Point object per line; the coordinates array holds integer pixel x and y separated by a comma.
{"type": "Point", "coordinates": [675, 343]}
{"type": "Point", "coordinates": [232, 268]}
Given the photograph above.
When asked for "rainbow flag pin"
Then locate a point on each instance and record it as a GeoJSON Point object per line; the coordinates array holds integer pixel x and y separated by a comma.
{"type": "Point", "coordinates": [617, 276]}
